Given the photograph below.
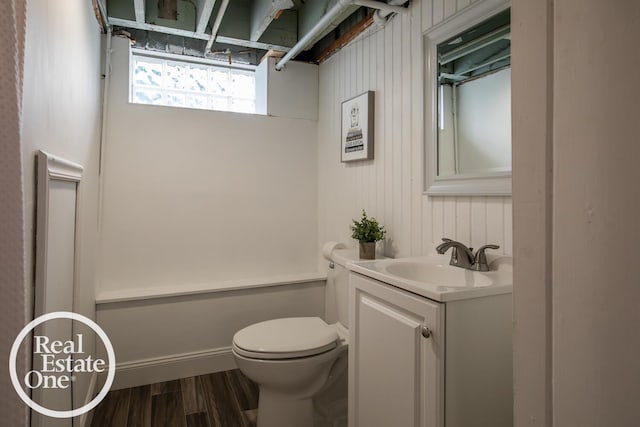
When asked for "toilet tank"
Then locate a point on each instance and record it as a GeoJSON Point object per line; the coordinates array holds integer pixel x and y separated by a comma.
{"type": "Point", "coordinates": [337, 290]}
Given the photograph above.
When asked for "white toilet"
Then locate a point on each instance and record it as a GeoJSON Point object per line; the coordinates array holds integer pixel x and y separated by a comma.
{"type": "Point", "coordinates": [293, 359]}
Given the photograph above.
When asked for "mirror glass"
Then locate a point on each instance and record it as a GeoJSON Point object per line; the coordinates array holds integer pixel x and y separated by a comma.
{"type": "Point", "coordinates": [470, 82]}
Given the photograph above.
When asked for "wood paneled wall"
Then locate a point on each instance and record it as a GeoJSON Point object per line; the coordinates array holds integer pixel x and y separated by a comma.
{"type": "Point", "coordinates": [389, 61]}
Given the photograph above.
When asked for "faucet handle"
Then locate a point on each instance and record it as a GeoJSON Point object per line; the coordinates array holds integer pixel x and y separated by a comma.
{"type": "Point", "coordinates": [480, 259]}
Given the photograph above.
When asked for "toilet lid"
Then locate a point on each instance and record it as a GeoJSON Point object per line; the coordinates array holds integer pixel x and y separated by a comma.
{"type": "Point", "coordinates": [286, 338]}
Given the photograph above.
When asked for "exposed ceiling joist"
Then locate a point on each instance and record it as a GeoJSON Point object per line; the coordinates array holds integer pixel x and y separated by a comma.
{"type": "Point", "coordinates": [216, 25]}
{"type": "Point", "coordinates": [202, 36]}
{"type": "Point", "coordinates": [139, 6]}
{"type": "Point", "coordinates": [263, 13]}
{"type": "Point", "coordinates": [260, 25]}
{"type": "Point", "coordinates": [205, 8]}
{"type": "Point", "coordinates": [249, 43]}
{"type": "Point", "coordinates": [346, 38]}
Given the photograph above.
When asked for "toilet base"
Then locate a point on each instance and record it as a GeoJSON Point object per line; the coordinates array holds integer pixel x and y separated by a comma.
{"type": "Point", "coordinates": [280, 410]}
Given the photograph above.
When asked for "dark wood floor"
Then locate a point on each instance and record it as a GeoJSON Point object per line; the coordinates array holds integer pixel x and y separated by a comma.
{"type": "Point", "coordinates": [223, 399]}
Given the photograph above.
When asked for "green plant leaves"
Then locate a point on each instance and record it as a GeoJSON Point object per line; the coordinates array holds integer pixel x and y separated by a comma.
{"type": "Point", "coordinates": [367, 229]}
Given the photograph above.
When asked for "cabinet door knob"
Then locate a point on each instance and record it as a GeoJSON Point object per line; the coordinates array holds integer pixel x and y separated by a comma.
{"type": "Point", "coordinates": [426, 332]}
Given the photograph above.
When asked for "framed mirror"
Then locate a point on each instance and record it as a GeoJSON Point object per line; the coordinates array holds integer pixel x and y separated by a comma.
{"type": "Point", "coordinates": [468, 102]}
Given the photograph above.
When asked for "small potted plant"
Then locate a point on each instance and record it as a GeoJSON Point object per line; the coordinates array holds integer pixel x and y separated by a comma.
{"type": "Point", "coordinates": [367, 231]}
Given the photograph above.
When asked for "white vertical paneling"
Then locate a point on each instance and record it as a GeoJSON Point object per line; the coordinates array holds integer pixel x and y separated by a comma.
{"type": "Point", "coordinates": [449, 8]}
{"type": "Point", "coordinates": [463, 3]}
{"type": "Point", "coordinates": [495, 221]}
{"type": "Point", "coordinates": [437, 225]}
{"type": "Point", "coordinates": [370, 64]}
{"type": "Point", "coordinates": [362, 72]}
{"type": "Point", "coordinates": [379, 155]}
{"type": "Point", "coordinates": [405, 225]}
{"type": "Point", "coordinates": [478, 221]}
{"type": "Point", "coordinates": [438, 11]}
{"type": "Point", "coordinates": [450, 220]}
{"type": "Point", "coordinates": [427, 14]}
{"type": "Point", "coordinates": [463, 220]}
{"type": "Point", "coordinates": [389, 61]}
{"type": "Point", "coordinates": [388, 133]}
{"type": "Point", "coordinates": [366, 76]}
{"type": "Point", "coordinates": [397, 137]}
{"type": "Point", "coordinates": [428, 220]}
{"type": "Point", "coordinates": [417, 233]}
{"type": "Point", "coordinates": [508, 225]}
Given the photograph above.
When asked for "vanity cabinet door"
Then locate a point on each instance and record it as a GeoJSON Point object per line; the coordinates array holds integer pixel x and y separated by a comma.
{"type": "Point", "coordinates": [395, 365]}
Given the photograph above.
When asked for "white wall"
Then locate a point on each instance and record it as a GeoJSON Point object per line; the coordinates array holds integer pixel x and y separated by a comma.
{"type": "Point", "coordinates": [532, 147]}
{"type": "Point", "coordinates": [62, 113]}
{"type": "Point", "coordinates": [169, 338]}
{"type": "Point", "coordinates": [13, 307]}
{"type": "Point", "coordinates": [197, 201]}
{"type": "Point", "coordinates": [389, 187]}
{"type": "Point", "coordinates": [576, 214]}
{"type": "Point", "coordinates": [596, 242]}
{"type": "Point", "coordinates": [195, 196]}
{"type": "Point", "coordinates": [290, 92]}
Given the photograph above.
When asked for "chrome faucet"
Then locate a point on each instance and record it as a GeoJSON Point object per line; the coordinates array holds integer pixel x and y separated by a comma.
{"type": "Point", "coordinates": [463, 257]}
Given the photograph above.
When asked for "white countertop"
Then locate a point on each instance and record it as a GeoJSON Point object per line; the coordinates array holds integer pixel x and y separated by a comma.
{"type": "Point", "coordinates": [432, 277]}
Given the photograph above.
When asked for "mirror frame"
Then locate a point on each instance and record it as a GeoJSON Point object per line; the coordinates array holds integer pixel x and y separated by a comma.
{"type": "Point", "coordinates": [483, 184]}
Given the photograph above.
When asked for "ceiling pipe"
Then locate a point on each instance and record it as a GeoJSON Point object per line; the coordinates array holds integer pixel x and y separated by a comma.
{"type": "Point", "coordinates": [385, 9]}
{"type": "Point", "coordinates": [389, 8]}
{"type": "Point", "coordinates": [381, 16]}
{"type": "Point", "coordinates": [323, 23]}
{"type": "Point", "coordinates": [216, 25]}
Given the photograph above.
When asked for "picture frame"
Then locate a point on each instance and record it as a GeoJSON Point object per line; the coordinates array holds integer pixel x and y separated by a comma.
{"type": "Point", "coordinates": [357, 115]}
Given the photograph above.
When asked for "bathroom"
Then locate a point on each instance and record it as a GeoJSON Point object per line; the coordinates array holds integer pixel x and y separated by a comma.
{"type": "Point", "coordinates": [193, 224]}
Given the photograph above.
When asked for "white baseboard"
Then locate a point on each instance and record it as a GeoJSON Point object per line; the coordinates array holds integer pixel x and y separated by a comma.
{"type": "Point", "coordinates": [85, 419]}
{"type": "Point", "coordinates": [175, 366]}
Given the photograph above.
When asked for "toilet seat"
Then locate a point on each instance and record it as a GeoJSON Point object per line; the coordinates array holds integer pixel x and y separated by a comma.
{"type": "Point", "coordinates": [286, 338]}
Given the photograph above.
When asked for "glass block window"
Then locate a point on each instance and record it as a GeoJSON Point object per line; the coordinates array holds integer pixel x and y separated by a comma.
{"type": "Point", "coordinates": [160, 81]}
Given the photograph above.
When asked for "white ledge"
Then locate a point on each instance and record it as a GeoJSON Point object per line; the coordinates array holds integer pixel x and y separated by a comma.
{"type": "Point", "coordinates": [153, 292]}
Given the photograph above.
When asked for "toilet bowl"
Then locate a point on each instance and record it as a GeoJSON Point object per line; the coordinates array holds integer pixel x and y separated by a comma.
{"type": "Point", "coordinates": [296, 359]}
{"type": "Point", "coordinates": [291, 360]}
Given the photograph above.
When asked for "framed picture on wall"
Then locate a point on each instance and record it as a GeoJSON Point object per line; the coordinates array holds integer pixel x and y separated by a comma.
{"type": "Point", "coordinates": [357, 128]}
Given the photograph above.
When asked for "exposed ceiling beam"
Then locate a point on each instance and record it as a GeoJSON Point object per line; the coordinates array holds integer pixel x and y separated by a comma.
{"type": "Point", "coordinates": [202, 36]}
{"type": "Point", "coordinates": [205, 8]}
{"type": "Point", "coordinates": [216, 25]}
{"type": "Point", "coordinates": [138, 6]}
{"type": "Point", "coordinates": [344, 39]}
{"type": "Point", "coordinates": [263, 12]}
{"type": "Point", "coordinates": [249, 43]}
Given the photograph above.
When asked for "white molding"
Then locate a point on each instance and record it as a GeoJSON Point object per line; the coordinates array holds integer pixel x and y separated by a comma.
{"type": "Point", "coordinates": [178, 290]}
{"type": "Point", "coordinates": [172, 367]}
{"type": "Point", "coordinates": [59, 168]}
{"type": "Point", "coordinates": [490, 184]}
{"type": "Point", "coordinates": [50, 168]}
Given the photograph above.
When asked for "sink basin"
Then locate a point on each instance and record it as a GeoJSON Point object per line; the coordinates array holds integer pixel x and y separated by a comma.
{"type": "Point", "coordinates": [431, 276]}
{"type": "Point", "coordinates": [438, 274]}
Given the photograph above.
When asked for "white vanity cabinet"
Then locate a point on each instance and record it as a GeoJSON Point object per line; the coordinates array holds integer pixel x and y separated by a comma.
{"type": "Point", "coordinates": [416, 362]}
